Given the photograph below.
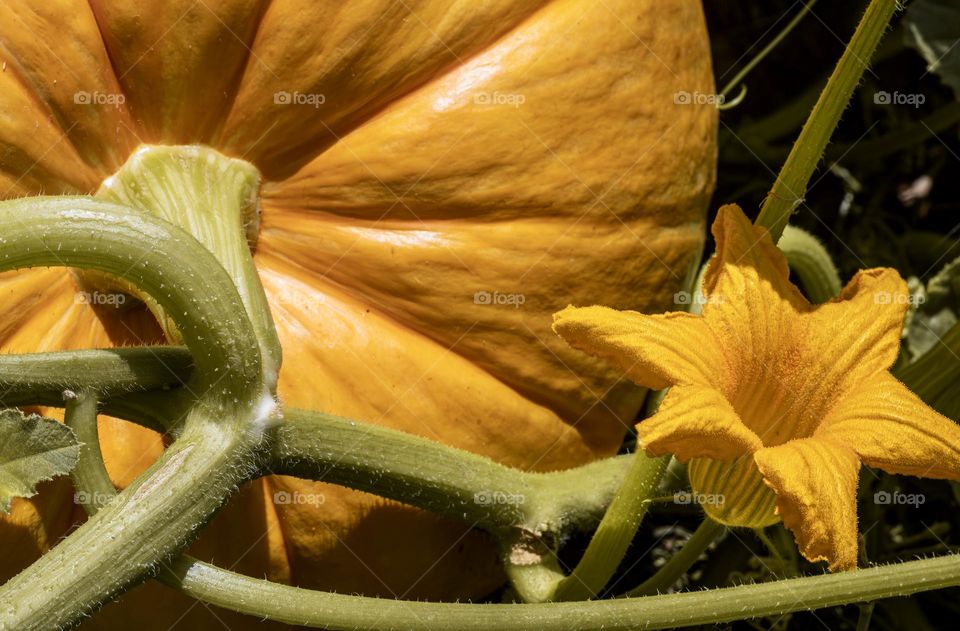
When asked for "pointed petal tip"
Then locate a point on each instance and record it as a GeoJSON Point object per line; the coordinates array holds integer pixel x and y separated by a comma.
{"type": "Point", "coordinates": [747, 256]}
{"type": "Point", "coordinates": [732, 219]}
{"type": "Point", "coordinates": [815, 481]}
{"type": "Point", "coordinates": [883, 284]}
{"type": "Point", "coordinates": [572, 317]}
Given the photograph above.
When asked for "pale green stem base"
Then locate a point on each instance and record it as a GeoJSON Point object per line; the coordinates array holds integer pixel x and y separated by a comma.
{"type": "Point", "coordinates": [809, 260]}
{"type": "Point", "coordinates": [214, 198]}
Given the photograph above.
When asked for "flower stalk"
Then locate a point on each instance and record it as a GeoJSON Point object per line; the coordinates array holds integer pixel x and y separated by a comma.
{"type": "Point", "coordinates": [617, 529]}
{"type": "Point", "coordinates": [791, 184]}
{"type": "Point", "coordinates": [682, 561]}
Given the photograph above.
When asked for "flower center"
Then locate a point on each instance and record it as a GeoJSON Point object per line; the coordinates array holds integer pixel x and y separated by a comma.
{"type": "Point", "coordinates": [778, 399]}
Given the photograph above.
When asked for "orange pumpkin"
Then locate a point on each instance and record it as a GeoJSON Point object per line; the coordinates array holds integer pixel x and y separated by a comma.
{"type": "Point", "coordinates": [415, 155]}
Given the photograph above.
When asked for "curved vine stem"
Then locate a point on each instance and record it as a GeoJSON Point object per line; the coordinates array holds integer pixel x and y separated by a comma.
{"type": "Point", "coordinates": [616, 531]}
{"type": "Point", "coordinates": [293, 605]}
{"type": "Point", "coordinates": [159, 513]}
{"type": "Point", "coordinates": [341, 612]}
{"type": "Point", "coordinates": [740, 76]}
{"type": "Point", "coordinates": [812, 263]}
{"type": "Point", "coordinates": [440, 478]}
{"type": "Point", "coordinates": [91, 480]}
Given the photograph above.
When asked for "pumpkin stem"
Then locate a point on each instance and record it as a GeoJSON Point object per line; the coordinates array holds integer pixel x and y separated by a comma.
{"type": "Point", "coordinates": [217, 200]}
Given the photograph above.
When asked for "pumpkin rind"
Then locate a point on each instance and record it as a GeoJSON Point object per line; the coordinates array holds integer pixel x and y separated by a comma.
{"type": "Point", "coordinates": [521, 148]}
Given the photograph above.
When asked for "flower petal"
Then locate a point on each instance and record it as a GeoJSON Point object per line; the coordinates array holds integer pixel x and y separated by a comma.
{"type": "Point", "coordinates": [751, 306]}
{"type": "Point", "coordinates": [697, 422]}
{"type": "Point", "coordinates": [861, 327]}
{"type": "Point", "coordinates": [655, 351]}
{"type": "Point", "coordinates": [747, 258]}
{"type": "Point", "coordinates": [892, 429]}
{"type": "Point", "coordinates": [816, 485]}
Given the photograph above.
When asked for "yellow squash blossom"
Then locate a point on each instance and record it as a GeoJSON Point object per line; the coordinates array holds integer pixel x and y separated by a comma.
{"type": "Point", "coordinates": [766, 386]}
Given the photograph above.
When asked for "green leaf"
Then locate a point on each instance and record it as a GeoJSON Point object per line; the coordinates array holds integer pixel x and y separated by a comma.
{"type": "Point", "coordinates": [933, 28]}
{"type": "Point", "coordinates": [32, 449]}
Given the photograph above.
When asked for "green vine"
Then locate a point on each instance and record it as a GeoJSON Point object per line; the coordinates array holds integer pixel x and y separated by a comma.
{"type": "Point", "coordinates": [160, 511]}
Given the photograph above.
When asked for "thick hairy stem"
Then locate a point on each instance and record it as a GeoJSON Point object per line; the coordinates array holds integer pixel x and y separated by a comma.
{"type": "Point", "coordinates": [340, 612]}
{"type": "Point", "coordinates": [159, 513]}
{"type": "Point", "coordinates": [440, 478]}
{"type": "Point", "coordinates": [90, 477]}
{"type": "Point", "coordinates": [41, 378]}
